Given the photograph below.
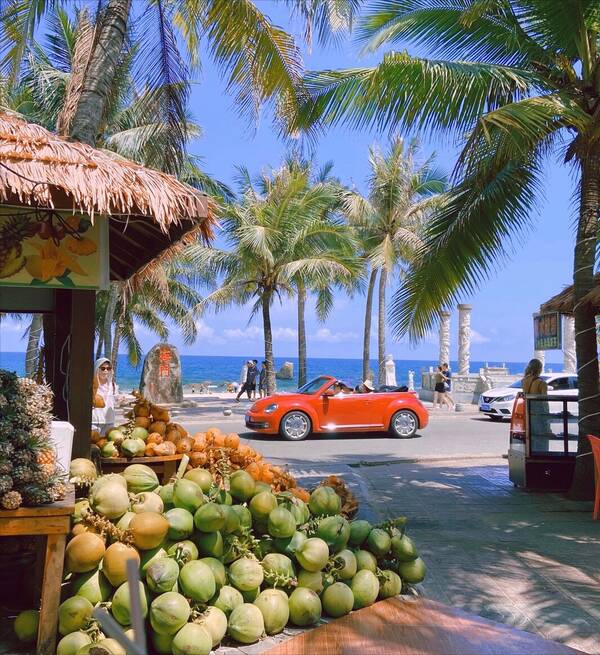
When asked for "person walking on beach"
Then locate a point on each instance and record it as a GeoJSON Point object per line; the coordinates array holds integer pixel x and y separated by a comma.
{"type": "Point", "coordinates": [439, 393]}
{"type": "Point", "coordinates": [262, 381]}
{"type": "Point", "coordinates": [448, 384]}
{"type": "Point", "coordinates": [256, 378]}
{"type": "Point", "coordinates": [246, 369]}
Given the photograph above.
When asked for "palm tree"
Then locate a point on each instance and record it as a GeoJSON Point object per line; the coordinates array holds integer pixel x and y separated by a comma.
{"type": "Point", "coordinates": [260, 62]}
{"type": "Point", "coordinates": [520, 80]}
{"type": "Point", "coordinates": [279, 235]}
{"type": "Point", "coordinates": [390, 221]}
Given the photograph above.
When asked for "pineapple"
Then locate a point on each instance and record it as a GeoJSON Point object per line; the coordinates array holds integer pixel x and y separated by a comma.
{"type": "Point", "coordinates": [58, 490]}
{"type": "Point", "coordinates": [13, 230]}
{"type": "Point", "coordinates": [34, 494]}
{"type": "Point", "coordinates": [22, 458]}
{"type": "Point", "coordinates": [11, 500]}
{"type": "Point", "coordinates": [21, 474]}
{"type": "Point", "coordinates": [6, 467]}
{"type": "Point", "coordinates": [46, 456]}
{"type": "Point", "coordinates": [6, 484]}
{"type": "Point", "coordinates": [6, 449]}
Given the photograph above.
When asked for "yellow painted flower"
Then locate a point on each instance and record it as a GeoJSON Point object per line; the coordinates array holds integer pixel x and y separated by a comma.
{"type": "Point", "coordinates": [52, 261]}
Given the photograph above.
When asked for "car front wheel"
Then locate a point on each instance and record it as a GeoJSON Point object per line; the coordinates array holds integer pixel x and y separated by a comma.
{"type": "Point", "coordinates": [295, 426]}
{"type": "Point", "coordinates": [404, 424]}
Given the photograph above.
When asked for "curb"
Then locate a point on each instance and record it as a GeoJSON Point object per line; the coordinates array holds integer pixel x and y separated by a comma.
{"type": "Point", "coordinates": [416, 460]}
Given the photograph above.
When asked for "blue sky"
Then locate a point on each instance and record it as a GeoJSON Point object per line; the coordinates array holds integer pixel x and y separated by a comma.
{"type": "Point", "coordinates": [502, 308]}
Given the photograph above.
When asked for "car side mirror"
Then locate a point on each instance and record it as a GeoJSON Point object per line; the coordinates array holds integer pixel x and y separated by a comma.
{"type": "Point", "coordinates": [328, 393]}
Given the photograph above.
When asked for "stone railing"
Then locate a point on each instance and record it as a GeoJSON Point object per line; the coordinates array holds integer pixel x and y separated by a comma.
{"type": "Point", "coordinates": [468, 388]}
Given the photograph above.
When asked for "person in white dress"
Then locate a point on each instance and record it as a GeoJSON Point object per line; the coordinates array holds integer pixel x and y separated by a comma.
{"type": "Point", "coordinates": [105, 394]}
{"type": "Point", "coordinates": [390, 372]}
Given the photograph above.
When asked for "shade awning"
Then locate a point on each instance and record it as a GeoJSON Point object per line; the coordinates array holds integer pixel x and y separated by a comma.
{"type": "Point", "coordinates": [563, 302]}
{"type": "Point", "coordinates": [148, 210]}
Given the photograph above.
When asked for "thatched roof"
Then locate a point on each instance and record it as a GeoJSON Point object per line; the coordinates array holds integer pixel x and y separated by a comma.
{"type": "Point", "coordinates": [148, 210]}
{"type": "Point", "coordinates": [563, 302]}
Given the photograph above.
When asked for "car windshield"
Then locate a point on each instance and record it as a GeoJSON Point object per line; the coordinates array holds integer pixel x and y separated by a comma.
{"type": "Point", "coordinates": [313, 385]}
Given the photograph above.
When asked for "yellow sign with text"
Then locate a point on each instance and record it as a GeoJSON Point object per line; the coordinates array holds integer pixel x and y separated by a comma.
{"type": "Point", "coordinates": [53, 249]}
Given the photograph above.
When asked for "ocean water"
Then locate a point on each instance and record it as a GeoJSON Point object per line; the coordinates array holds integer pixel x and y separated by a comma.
{"type": "Point", "coordinates": [220, 370]}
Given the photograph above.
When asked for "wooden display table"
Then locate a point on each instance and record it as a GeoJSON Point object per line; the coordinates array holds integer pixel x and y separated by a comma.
{"type": "Point", "coordinates": [52, 523]}
{"type": "Point", "coordinates": [164, 467]}
{"type": "Point", "coordinates": [417, 626]}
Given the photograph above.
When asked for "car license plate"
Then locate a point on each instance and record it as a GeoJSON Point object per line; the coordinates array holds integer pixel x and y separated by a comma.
{"type": "Point", "coordinates": [485, 407]}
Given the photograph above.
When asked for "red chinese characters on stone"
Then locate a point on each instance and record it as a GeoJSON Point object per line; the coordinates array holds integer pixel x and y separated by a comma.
{"type": "Point", "coordinates": [164, 367]}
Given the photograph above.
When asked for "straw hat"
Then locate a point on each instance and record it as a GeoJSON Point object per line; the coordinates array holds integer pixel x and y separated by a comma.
{"type": "Point", "coordinates": [367, 383]}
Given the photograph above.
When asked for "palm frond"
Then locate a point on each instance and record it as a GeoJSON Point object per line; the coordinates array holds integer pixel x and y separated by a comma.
{"type": "Point", "coordinates": [330, 19]}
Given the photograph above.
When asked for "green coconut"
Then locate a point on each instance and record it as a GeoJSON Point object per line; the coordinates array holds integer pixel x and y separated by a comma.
{"type": "Point", "coordinates": [278, 565]}
{"type": "Point", "coordinates": [246, 574]}
{"type": "Point", "coordinates": [274, 606]}
{"type": "Point", "coordinates": [241, 485]}
{"type": "Point", "coordinates": [298, 508]}
{"type": "Point", "coordinates": [359, 531]}
{"type": "Point", "coordinates": [209, 544]}
{"type": "Point", "coordinates": [324, 502]}
{"type": "Point", "coordinates": [92, 585]}
{"type": "Point", "coordinates": [346, 561]}
{"type": "Point", "coordinates": [403, 548]}
{"type": "Point", "coordinates": [246, 624]}
{"type": "Point", "coordinates": [181, 523]}
{"type": "Point", "coordinates": [390, 584]}
{"type": "Point", "coordinates": [378, 542]}
{"type": "Point", "coordinates": [281, 523]}
{"type": "Point", "coordinates": [214, 621]}
{"type": "Point", "coordinates": [116, 435]}
{"type": "Point", "coordinates": [105, 647]}
{"type": "Point", "coordinates": [313, 554]}
{"type": "Point", "coordinates": [73, 614]}
{"type": "Point", "coordinates": [202, 477]}
{"type": "Point", "coordinates": [232, 520]}
{"type": "Point", "coordinates": [121, 603]}
{"type": "Point", "coordinates": [192, 639]}
{"type": "Point", "coordinates": [244, 516]}
{"type": "Point", "coordinates": [125, 520]}
{"type": "Point", "coordinates": [169, 612]}
{"type": "Point", "coordinates": [166, 493]}
{"type": "Point", "coordinates": [210, 517]}
{"type": "Point", "coordinates": [197, 581]}
{"type": "Point", "coordinates": [111, 499]}
{"type": "Point", "coordinates": [183, 551]}
{"type": "Point", "coordinates": [71, 643]}
{"type": "Point", "coordinates": [305, 607]}
{"type": "Point", "coordinates": [83, 469]}
{"type": "Point", "coordinates": [290, 545]}
{"type": "Point", "coordinates": [187, 495]}
{"type": "Point", "coordinates": [139, 433]}
{"type": "Point", "coordinates": [148, 556]}
{"type": "Point", "coordinates": [81, 507]}
{"type": "Point", "coordinates": [311, 580]}
{"type": "Point", "coordinates": [218, 570]}
{"type": "Point", "coordinates": [250, 595]}
{"type": "Point", "coordinates": [412, 572]}
{"type": "Point", "coordinates": [26, 626]}
{"type": "Point", "coordinates": [335, 531]}
{"type": "Point", "coordinates": [337, 600]}
{"type": "Point", "coordinates": [162, 574]}
{"type": "Point", "coordinates": [365, 588]}
{"type": "Point", "coordinates": [262, 504]}
{"type": "Point", "coordinates": [227, 599]}
{"type": "Point", "coordinates": [108, 479]}
{"type": "Point", "coordinates": [134, 448]}
{"type": "Point", "coordinates": [162, 643]}
{"type": "Point", "coordinates": [147, 501]}
{"type": "Point", "coordinates": [110, 450]}
{"type": "Point", "coordinates": [365, 561]}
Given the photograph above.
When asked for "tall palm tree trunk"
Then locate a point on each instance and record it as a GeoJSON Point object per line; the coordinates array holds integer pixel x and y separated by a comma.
{"type": "Point", "coordinates": [100, 72]}
{"type": "Point", "coordinates": [268, 335]}
{"type": "Point", "coordinates": [381, 325]}
{"type": "Point", "coordinates": [114, 358]}
{"type": "Point", "coordinates": [100, 344]}
{"type": "Point", "coordinates": [301, 334]}
{"type": "Point", "coordinates": [111, 306]}
{"type": "Point", "coordinates": [366, 369]}
{"type": "Point", "coordinates": [585, 323]}
{"type": "Point", "coordinates": [32, 355]}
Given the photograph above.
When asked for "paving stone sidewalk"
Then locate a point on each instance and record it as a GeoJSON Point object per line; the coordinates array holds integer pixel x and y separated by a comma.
{"type": "Point", "coordinates": [530, 560]}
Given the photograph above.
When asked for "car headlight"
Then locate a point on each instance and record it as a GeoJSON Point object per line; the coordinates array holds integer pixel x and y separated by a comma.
{"type": "Point", "coordinates": [269, 409]}
{"type": "Point", "coordinates": [504, 399]}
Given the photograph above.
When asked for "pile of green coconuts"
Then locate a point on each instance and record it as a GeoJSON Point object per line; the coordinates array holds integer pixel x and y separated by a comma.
{"type": "Point", "coordinates": [228, 563]}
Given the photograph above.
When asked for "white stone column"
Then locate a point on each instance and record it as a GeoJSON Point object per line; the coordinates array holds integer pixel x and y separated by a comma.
{"type": "Point", "coordinates": [444, 337]}
{"type": "Point", "coordinates": [569, 354]}
{"type": "Point", "coordinates": [464, 339]}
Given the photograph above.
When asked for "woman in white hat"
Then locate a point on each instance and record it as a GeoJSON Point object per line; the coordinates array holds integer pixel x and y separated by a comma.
{"type": "Point", "coordinates": [105, 393]}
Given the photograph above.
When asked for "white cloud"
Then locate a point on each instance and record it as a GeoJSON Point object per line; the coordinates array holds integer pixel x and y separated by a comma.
{"type": "Point", "coordinates": [251, 333]}
{"type": "Point", "coordinates": [285, 334]}
{"type": "Point", "coordinates": [206, 333]}
{"type": "Point", "coordinates": [327, 336]}
{"type": "Point", "coordinates": [477, 337]}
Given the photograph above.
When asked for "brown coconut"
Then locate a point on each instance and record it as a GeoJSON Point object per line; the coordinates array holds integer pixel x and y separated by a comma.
{"type": "Point", "coordinates": [114, 564]}
{"type": "Point", "coordinates": [84, 552]}
{"type": "Point", "coordinates": [142, 421]}
{"type": "Point", "coordinates": [158, 426]}
{"type": "Point", "coordinates": [149, 530]}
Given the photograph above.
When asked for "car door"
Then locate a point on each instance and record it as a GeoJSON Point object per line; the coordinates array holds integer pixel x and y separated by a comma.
{"type": "Point", "coordinates": [345, 411]}
{"type": "Point", "coordinates": [560, 386]}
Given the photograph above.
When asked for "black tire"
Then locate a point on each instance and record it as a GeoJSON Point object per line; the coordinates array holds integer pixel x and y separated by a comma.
{"type": "Point", "coordinates": [295, 426]}
{"type": "Point", "coordinates": [404, 424]}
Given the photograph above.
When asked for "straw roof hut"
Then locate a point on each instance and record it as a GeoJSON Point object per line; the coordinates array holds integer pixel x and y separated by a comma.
{"type": "Point", "coordinates": [563, 302]}
{"type": "Point", "coordinates": [148, 210]}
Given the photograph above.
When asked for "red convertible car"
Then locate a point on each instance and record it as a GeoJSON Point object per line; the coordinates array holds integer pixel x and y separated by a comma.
{"type": "Point", "coordinates": [322, 406]}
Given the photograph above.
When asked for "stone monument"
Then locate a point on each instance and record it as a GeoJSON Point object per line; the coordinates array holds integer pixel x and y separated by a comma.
{"type": "Point", "coordinates": [411, 380]}
{"type": "Point", "coordinates": [161, 375]}
{"type": "Point", "coordinates": [444, 337]}
{"type": "Point", "coordinates": [464, 339]}
{"type": "Point", "coordinates": [569, 353]}
{"type": "Point", "coordinates": [286, 372]}
{"type": "Point", "coordinates": [390, 372]}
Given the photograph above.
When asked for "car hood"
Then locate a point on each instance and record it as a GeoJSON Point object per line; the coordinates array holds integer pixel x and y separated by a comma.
{"type": "Point", "coordinates": [501, 391]}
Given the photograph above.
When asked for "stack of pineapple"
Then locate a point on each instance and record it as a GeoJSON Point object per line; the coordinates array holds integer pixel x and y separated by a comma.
{"type": "Point", "coordinates": [29, 473]}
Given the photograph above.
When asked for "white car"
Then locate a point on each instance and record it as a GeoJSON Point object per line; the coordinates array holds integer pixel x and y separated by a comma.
{"type": "Point", "coordinates": [497, 403]}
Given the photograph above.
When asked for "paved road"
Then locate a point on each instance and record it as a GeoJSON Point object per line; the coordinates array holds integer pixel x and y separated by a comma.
{"type": "Point", "coordinates": [448, 435]}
